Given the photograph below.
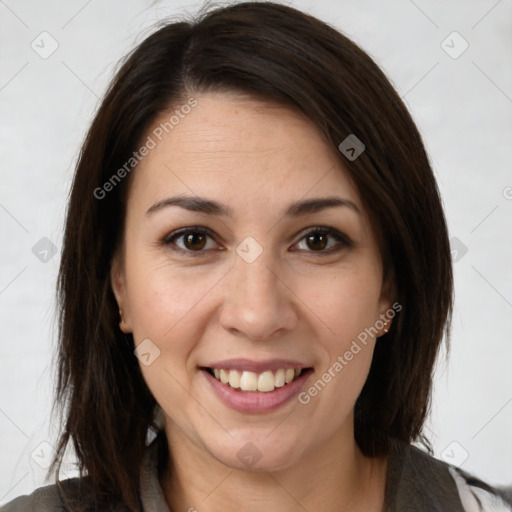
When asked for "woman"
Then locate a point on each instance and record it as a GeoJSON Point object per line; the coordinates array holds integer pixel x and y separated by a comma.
{"type": "Point", "coordinates": [255, 282]}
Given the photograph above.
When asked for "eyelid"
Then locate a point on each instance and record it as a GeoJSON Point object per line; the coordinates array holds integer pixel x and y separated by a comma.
{"type": "Point", "coordinates": [343, 239]}
{"type": "Point", "coordinates": [181, 231]}
{"type": "Point", "coordinates": [168, 240]}
{"type": "Point", "coordinates": [325, 230]}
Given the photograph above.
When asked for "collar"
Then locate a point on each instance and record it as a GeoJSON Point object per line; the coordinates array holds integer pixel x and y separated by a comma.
{"type": "Point", "coordinates": [415, 481]}
{"type": "Point", "coordinates": [152, 495]}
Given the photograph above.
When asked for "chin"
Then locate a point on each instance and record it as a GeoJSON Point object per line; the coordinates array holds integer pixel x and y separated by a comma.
{"type": "Point", "coordinates": [257, 453]}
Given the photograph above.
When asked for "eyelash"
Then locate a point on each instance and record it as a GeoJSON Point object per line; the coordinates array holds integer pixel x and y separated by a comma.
{"type": "Point", "coordinates": [343, 240]}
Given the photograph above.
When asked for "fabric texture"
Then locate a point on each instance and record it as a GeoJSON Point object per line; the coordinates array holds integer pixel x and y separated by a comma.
{"type": "Point", "coordinates": [416, 482]}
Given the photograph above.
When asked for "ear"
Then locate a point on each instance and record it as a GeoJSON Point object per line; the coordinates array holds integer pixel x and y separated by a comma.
{"type": "Point", "coordinates": [118, 283]}
{"type": "Point", "coordinates": [387, 309]}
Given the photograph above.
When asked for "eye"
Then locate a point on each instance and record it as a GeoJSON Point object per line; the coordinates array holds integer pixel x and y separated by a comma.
{"type": "Point", "coordinates": [194, 240]}
{"type": "Point", "coordinates": [191, 240]}
{"type": "Point", "coordinates": [324, 240]}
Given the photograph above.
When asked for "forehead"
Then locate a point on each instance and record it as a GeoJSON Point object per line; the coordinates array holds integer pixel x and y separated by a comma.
{"type": "Point", "coordinates": [252, 153]}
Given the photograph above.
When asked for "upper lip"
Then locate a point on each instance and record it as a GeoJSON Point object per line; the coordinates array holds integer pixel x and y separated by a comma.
{"type": "Point", "coordinates": [256, 366]}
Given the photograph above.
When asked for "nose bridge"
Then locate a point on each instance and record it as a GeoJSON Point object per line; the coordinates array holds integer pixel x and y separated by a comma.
{"type": "Point", "coordinates": [251, 267]}
{"type": "Point", "coordinates": [255, 280]}
{"type": "Point", "coordinates": [256, 303]}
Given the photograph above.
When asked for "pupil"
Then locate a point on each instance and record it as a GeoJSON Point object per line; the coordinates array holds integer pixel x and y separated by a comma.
{"type": "Point", "coordinates": [313, 241]}
{"type": "Point", "coordinates": [192, 240]}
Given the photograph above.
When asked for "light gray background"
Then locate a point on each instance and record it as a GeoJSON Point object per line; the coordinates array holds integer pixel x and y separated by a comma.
{"type": "Point", "coordinates": [462, 105]}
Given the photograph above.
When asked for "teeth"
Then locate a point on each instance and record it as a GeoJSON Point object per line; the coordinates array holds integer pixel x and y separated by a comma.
{"type": "Point", "coordinates": [279, 378]}
{"type": "Point", "coordinates": [234, 379]}
{"type": "Point", "coordinates": [224, 376]}
{"type": "Point", "coordinates": [266, 381]}
{"type": "Point", "coordinates": [250, 381]}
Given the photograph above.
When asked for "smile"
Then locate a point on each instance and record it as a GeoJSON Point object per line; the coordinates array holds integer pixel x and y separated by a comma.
{"type": "Point", "coordinates": [264, 382]}
{"type": "Point", "coordinates": [256, 388]}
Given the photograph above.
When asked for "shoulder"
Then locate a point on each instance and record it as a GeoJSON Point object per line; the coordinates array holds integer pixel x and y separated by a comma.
{"type": "Point", "coordinates": [43, 499]}
{"type": "Point", "coordinates": [417, 481]}
{"type": "Point", "coordinates": [79, 494]}
{"type": "Point", "coordinates": [477, 495]}
{"type": "Point", "coordinates": [73, 494]}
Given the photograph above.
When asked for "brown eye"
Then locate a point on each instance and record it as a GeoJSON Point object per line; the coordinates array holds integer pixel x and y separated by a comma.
{"type": "Point", "coordinates": [316, 242]}
{"type": "Point", "coordinates": [323, 240]}
{"type": "Point", "coordinates": [194, 241]}
{"type": "Point", "coordinates": [191, 240]}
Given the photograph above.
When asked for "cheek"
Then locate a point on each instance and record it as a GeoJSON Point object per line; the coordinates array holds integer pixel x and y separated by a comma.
{"type": "Point", "coordinates": [165, 306]}
{"type": "Point", "coordinates": [346, 301]}
{"type": "Point", "coordinates": [161, 297]}
{"type": "Point", "coordinates": [347, 305]}
{"type": "Point", "coordinates": [168, 305]}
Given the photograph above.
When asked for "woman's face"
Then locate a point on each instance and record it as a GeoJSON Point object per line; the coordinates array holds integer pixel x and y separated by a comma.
{"type": "Point", "coordinates": [232, 282]}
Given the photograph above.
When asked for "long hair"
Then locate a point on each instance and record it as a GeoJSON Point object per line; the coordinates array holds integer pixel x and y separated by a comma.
{"type": "Point", "coordinates": [274, 53]}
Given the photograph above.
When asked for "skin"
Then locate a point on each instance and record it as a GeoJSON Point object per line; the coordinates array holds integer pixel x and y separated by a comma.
{"type": "Point", "coordinates": [294, 302]}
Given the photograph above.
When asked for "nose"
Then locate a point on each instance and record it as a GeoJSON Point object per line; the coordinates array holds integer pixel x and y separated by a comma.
{"type": "Point", "coordinates": [257, 301]}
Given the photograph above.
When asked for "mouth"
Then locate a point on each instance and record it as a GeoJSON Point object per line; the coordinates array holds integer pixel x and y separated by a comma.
{"type": "Point", "coordinates": [263, 382]}
{"type": "Point", "coordinates": [256, 388]}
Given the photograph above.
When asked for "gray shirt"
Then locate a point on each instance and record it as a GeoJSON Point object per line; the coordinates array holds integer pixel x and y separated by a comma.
{"type": "Point", "coordinates": [416, 482]}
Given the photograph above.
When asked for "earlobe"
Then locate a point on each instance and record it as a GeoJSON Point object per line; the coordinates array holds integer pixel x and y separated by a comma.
{"type": "Point", "coordinates": [122, 323]}
{"type": "Point", "coordinates": [117, 280]}
{"type": "Point", "coordinates": [118, 284]}
{"type": "Point", "coordinates": [387, 311]}
{"type": "Point", "coordinates": [384, 322]}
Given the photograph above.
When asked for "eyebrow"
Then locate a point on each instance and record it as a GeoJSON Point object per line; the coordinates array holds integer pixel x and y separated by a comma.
{"type": "Point", "coordinates": [208, 206]}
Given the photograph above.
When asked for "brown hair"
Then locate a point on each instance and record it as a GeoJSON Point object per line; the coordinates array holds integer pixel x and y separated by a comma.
{"type": "Point", "coordinates": [274, 53]}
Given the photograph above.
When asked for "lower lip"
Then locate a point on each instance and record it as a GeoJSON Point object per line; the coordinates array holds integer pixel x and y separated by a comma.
{"type": "Point", "coordinates": [256, 401]}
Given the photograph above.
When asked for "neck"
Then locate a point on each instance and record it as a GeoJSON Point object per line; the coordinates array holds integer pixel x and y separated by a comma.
{"type": "Point", "coordinates": [333, 477]}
